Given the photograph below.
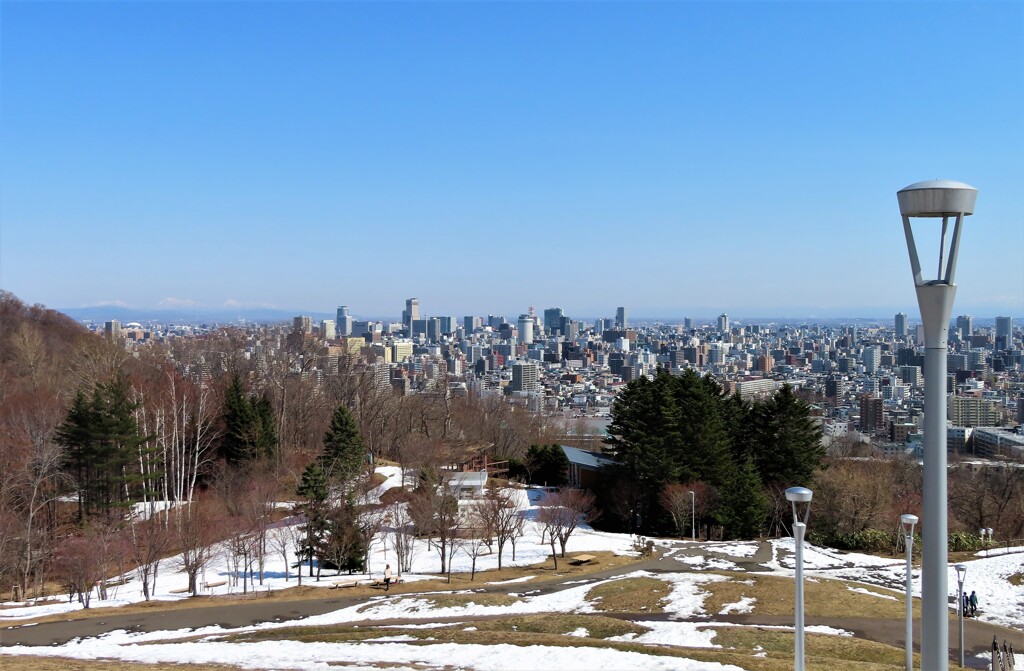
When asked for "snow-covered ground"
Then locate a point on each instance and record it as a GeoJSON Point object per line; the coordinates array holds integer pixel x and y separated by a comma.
{"type": "Point", "coordinates": [1001, 602]}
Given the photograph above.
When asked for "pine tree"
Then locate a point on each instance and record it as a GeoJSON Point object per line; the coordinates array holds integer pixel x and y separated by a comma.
{"type": "Point", "coordinates": [239, 421]}
{"type": "Point", "coordinates": [344, 453]}
{"type": "Point", "coordinates": [788, 447]}
{"type": "Point", "coordinates": [743, 504]}
{"type": "Point", "coordinates": [313, 492]}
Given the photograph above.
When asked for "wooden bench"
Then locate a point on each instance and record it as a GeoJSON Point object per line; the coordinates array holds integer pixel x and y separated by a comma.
{"type": "Point", "coordinates": [211, 585]}
{"type": "Point", "coordinates": [579, 560]}
{"type": "Point", "coordinates": [345, 583]}
{"type": "Point", "coordinates": [182, 590]}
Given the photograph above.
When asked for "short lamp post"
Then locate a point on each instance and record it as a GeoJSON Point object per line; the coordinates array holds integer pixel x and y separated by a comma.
{"type": "Point", "coordinates": [908, 521]}
{"type": "Point", "coordinates": [693, 516]}
{"type": "Point", "coordinates": [961, 573]}
{"type": "Point", "coordinates": [949, 202]}
{"type": "Point", "coordinates": [797, 496]}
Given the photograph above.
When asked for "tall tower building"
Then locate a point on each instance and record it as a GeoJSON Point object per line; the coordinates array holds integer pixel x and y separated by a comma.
{"type": "Point", "coordinates": [620, 318]}
{"type": "Point", "coordinates": [688, 323]}
{"type": "Point", "coordinates": [411, 312]}
{"type": "Point", "coordinates": [525, 329]}
{"type": "Point", "coordinates": [1004, 332]}
{"type": "Point", "coordinates": [302, 324]}
{"type": "Point", "coordinates": [901, 325]}
{"type": "Point", "coordinates": [343, 324]}
{"type": "Point", "coordinates": [964, 326]}
{"type": "Point", "coordinates": [723, 323]}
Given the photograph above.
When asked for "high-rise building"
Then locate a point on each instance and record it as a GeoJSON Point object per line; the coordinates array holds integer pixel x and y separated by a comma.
{"type": "Point", "coordinates": [411, 312]}
{"type": "Point", "coordinates": [901, 325]}
{"type": "Point", "coordinates": [525, 377]}
{"type": "Point", "coordinates": [553, 319]}
{"type": "Point", "coordinates": [964, 326]}
{"type": "Point", "coordinates": [302, 324]}
{"type": "Point", "coordinates": [872, 359]}
{"type": "Point", "coordinates": [344, 324]}
{"type": "Point", "coordinates": [112, 329]}
{"type": "Point", "coordinates": [872, 413]}
{"type": "Point", "coordinates": [447, 325]}
{"type": "Point", "coordinates": [471, 324]}
{"type": "Point", "coordinates": [328, 330]}
{"type": "Point", "coordinates": [723, 323]}
{"type": "Point", "coordinates": [620, 319]}
{"type": "Point", "coordinates": [525, 329]}
{"type": "Point", "coordinates": [688, 323]}
{"type": "Point", "coordinates": [1004, 332]}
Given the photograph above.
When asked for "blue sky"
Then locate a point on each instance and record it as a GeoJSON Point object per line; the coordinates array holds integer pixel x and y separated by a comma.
{"type": "Point", "coordinates": [670, 157]}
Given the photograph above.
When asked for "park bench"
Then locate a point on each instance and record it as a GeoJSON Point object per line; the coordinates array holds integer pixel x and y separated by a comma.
{"type": "Point", "coordinates": [181, 590]}
{"type": "Point", "coordinates": [211, 585]}
{"type": "Point", "coordinates": [579, 560]}
{"type": "Point", "coordinates": [344, 583]}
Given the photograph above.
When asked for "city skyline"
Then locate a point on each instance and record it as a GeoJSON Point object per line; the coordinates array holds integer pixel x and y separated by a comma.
{"type": "Point", "coordinates": [670, 158]}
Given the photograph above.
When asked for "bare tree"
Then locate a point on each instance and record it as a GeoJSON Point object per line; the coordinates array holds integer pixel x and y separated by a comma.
{"type": "Point", "coordinates": [561, 514]}
{"type": "Point", "coordinates": [500, 516]}
{"type": "Point", "coordinates": [402, 535]}
{"type": "Point", "coordinates": [198, 531]}
{"type": "Point", "coordinates": [286, 535]}
{"type": "Point", "coordinates": [149, 542]}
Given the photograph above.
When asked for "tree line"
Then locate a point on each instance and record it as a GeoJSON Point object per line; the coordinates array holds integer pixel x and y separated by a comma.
{"type": "Point", "coordinates": [672, 434]}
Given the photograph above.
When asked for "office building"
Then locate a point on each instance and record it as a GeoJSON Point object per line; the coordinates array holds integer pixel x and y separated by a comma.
{"type": "Point", "coordinates": [723, 323]}
{"type": "Point", "coordinates": [901, 325]}
{"type": "Point", "coordinates": [344, 323]}
{"type": "Point", "coordinates": [553, 319]}
{"type": "Point", "coordinates": [620, 319]}
{"type": "Point", "coordinates": [688, 324]}
{"type": "Point", "coordinates": [964, 326]}
{"type": "Point", "coordinates": [328, 331]}
{"type": "Point", "coordinates": [411, 313]}
{"type": "Point", "coordinates": [302, 324]}
{"type": "Point", "coordinates": [1004, 332]}
{"type": "Point", "coordinates": [872, 359]}
{"type": "Point", "coordinates": [112, 329]}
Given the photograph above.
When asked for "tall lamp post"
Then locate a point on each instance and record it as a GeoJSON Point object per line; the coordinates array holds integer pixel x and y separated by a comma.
{"type": "Point", "coordinates": [796, 496]}
{"type": "Point", "coordinates": [961, 573]}
{"type": "Point", "coordinates": [908, 521]}
{"type": "Point", "coordinates": [949, 201]}
{"type": "Point", "coordinates": [693, 516]}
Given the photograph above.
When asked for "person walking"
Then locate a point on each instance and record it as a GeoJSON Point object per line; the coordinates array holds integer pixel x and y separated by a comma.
{"type": "Point", "coordinates": [974, 603]}
{"type": "Point", "coordinates": [966, 606]}
{"type": "Point", "coordinates": [387, 577]}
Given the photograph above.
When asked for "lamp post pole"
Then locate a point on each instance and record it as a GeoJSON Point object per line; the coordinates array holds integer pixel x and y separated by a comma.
{"type": "Point", "coordinates": [908, 521]}
{"type": "Point", "coordinates": [945, 200]}
{"type": "Point", "coordinates": [797, 495]}
{"type": "Point", "coordinates": [961, 573]}
{"type": "Point", "coordinates": [693, 516]}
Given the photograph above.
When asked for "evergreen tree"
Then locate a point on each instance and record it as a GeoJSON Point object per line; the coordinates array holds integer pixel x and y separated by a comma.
{"type": "Point", "coordinates": [548, 465]}
{"type": "Point", "coordinates": [313, 492]}
{"type": "Point", "coordinates": [743, 505]}
{"type": "Point", "coordinates": [704, 453]}
{"type": "Point", "coordinates": [344, 453]}
{"type": "Point", "coordinates": [250, 429]}
{"type": "Point", "coordinates": [787, 442]}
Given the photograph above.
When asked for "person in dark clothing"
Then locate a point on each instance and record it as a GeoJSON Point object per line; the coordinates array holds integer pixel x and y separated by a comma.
{"type": "Point", "coordinates": [966, 606]}
{"type": "Point", "coordinates": [974, 603]}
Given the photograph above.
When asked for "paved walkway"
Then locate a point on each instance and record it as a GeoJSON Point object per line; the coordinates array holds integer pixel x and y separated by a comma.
{"type": "Point", "coordinates": [977, 635]}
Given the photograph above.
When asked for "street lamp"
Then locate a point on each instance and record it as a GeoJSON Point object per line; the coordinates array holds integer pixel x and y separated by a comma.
{"type": "Point", "coordinates": [693, 516]}
{"type": "Point", "coordinates": [908, 521]}
{"type": "Point", "coordinates": [946, 200]}
{"type": "Point", "coordinates": [961, 573]}
{"type": "Point", "coordinates": [798, 495]}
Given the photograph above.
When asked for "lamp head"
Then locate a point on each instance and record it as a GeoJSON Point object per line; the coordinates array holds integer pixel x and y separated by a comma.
{"type": "Point", "coordinates": [908, 521]}
{"type": "Point", "coordinates": [937, 198]}
{"type": "Point", "coordinates": [799, 494]}
{"type": "Point", "coordinates": [961, 571]}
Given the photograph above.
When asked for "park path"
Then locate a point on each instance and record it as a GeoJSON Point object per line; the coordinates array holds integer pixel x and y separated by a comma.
{"type": "Point", "coordinates": [977, 635]}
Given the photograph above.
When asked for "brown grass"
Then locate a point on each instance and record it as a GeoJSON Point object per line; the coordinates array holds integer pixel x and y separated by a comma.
{"type": "Point", "coordinates": [630, 595]}
{"type": "Point", "coordinates": [1017, 579]}
{"type": "Point", "coordinates": [823, 598]}
{"type": "Point", "coordinates": [837, 650]}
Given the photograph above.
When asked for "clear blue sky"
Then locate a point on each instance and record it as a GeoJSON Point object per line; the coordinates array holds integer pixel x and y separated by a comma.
{"type": "Point", "coordinates": [487, 157]}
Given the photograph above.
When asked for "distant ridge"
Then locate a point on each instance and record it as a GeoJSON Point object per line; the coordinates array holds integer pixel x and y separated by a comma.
{"type": "Point", "coordinates": [124, 315]}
